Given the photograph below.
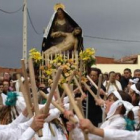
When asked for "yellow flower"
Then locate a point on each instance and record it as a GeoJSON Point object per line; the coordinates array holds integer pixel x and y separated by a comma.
{"type": "Point", "coordinates": [49, 72]}
{"type": "Point", "coordinates": [35, 55]}
{"type": "Point", "coordinates": [87, 55]}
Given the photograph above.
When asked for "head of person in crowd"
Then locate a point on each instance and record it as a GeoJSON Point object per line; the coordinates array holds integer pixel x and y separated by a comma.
{"type": "Point", "coordinates": [43, 87]}
{"type": "Point", "coordinates": [118, 76]}
{"type": "Point", "coordinates": [105, 76]}
{"type": "Point", "coordinates": [6, 76]}
{"type": "Point", "coordinates": [137, 73]}
{"type": "Point", "coordinates": [12, 86]}
{"type": "Point", "coordinates": [113, 97]}
{"type": "Point", "coordinates": [131, 82]}
{"type": "Point", "coordinates": [6, 85]}
{"type": "Point", "coordinates": [1, 87]}
{"type": "Point", "coordinates": [112, 76]}
{"type": "Point", "coordinates": [125, 78]}
{"type": "Point", "coordinates": [94, 74]}
{"type": "Point", "coordinates": [13, 82]}
{"type": "Point", "coordinates": [127, 73]}
{"type": "Point", "coordinates": [118, 102]}
{"type": "Point", "coordinates": [14, 76]}
{"type": "Point", "coordinates": [134, 92]}
{"type": "Point", "coordinates": [1, 78]}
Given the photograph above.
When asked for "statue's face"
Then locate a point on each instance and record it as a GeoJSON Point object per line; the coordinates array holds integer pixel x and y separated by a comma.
{"type": "Point", "coordinates": [60, 14]}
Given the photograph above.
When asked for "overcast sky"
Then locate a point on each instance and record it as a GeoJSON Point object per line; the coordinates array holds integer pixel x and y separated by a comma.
{"type": "Point", "coordinates": [116, 19]}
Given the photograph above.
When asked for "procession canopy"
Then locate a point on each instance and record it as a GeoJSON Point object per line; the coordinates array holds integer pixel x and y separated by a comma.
{"type": "Point", "coordinates": [62, 33]}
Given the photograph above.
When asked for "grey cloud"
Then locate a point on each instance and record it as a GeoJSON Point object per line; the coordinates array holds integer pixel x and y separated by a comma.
{"type": "Point", "coordinates": [102, 18]}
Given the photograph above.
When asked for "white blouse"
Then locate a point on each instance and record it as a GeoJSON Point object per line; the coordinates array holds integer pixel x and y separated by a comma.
{"type": "Point", "coordinates": [121, 135]}
{"type": "Point", "coordinates": [21, 132]}
{"type": "Point", "coordinates": [114, 122]}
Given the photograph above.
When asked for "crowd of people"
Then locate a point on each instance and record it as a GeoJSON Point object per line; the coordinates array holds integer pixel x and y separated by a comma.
{"type": "Point", "coordinates": [114, 114]}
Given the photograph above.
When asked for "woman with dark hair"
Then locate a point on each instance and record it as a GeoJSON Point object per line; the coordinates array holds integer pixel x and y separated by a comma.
{"type": "Point", "coordinates": [134, 92]}
{"type": "Point", "coordinates": [118, 76]}
{"type": "Point", "coordinates": [117, 106]}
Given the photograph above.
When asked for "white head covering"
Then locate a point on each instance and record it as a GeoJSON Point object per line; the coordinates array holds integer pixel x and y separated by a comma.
{"type": "Point", "coordinates": [128, 106]}
{"type": "Point", "coordinates": [133, 87]}
{"type": "Point", "coordinates": [135, 81]}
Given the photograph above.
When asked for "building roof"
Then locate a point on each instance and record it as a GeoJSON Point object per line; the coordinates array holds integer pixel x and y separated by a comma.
{"type": "Point", "coordinates": [132, 59]}
{"type": "Point", "coordinates": [104, 60]}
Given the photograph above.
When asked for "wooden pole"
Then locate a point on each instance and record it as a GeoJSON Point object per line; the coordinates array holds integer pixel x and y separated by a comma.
{"type": "Point", "coordinates": [91, 92]}
{"type": "Point", "coordinates": [26, 81]}
{"type": "Point", "coordinates": [79, 102]}
{"type": "Point", "coordinates": [26, 97]}
{"type": "Point", "coordinates": [76, 109]}
{"type": "Point", "coordinates": [99, 85]}
{"type": "Point", "coordinates": [34, 91]}
{"type": "Point", "coordinates": [78, 85]}
{"type": "Point", "coordinates": [57, 89]}
{"type": "Point", "coordinates": [69, 93]}
{"type": "Point", "coordinates": [55, 83]}
{"type": "Point", "coordinates": [70, 79]}
{"type": "Point", "coordinates": [92, 82]}
{"type": "Point", "coordinates": [58, 106]}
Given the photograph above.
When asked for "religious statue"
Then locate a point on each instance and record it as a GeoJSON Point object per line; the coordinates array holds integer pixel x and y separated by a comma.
{"type": "Point", "coordinates": [70, 42]}
{"type": "Point", "coordinates": [62, 33]}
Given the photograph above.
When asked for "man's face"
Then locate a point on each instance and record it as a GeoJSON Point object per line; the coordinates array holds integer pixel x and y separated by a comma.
{"type": "Point", "coordinates": [127, 74]}
{"type": "Point", "coordinates": [112, 77]}
{"type": "Point", "coordinates": [94, 76]}
{"type": "Point", "coordinates": [137, 74]}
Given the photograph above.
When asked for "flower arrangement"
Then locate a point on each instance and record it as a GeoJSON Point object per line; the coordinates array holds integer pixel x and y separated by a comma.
{"type": "Point", "coordinates": [88, 56]}
{"type": "Point", "coordinates": [68, 65]}
{"type": "Point", "coordinates": [35, 55]}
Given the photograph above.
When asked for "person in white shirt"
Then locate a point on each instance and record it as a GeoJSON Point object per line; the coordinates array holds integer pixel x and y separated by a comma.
{"type": "Point", "coordinates": [115, 115]}
{"type": "Point", "coordinates": [22, 125]}
{"type": "Point", "coordinates": [112, 84]}
{"type": "Point", "coordinates": [53, 128]}
{"type": "Point", "coordinates": [24, 131]}
{"type": "Point", "coordinates": [23, 117]}
{"type": "Point", "coordinates": [109, 134]}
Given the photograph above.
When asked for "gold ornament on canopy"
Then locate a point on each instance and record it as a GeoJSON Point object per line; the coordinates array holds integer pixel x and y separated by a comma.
{"type": "Point", "coordinates": [59, 5]}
